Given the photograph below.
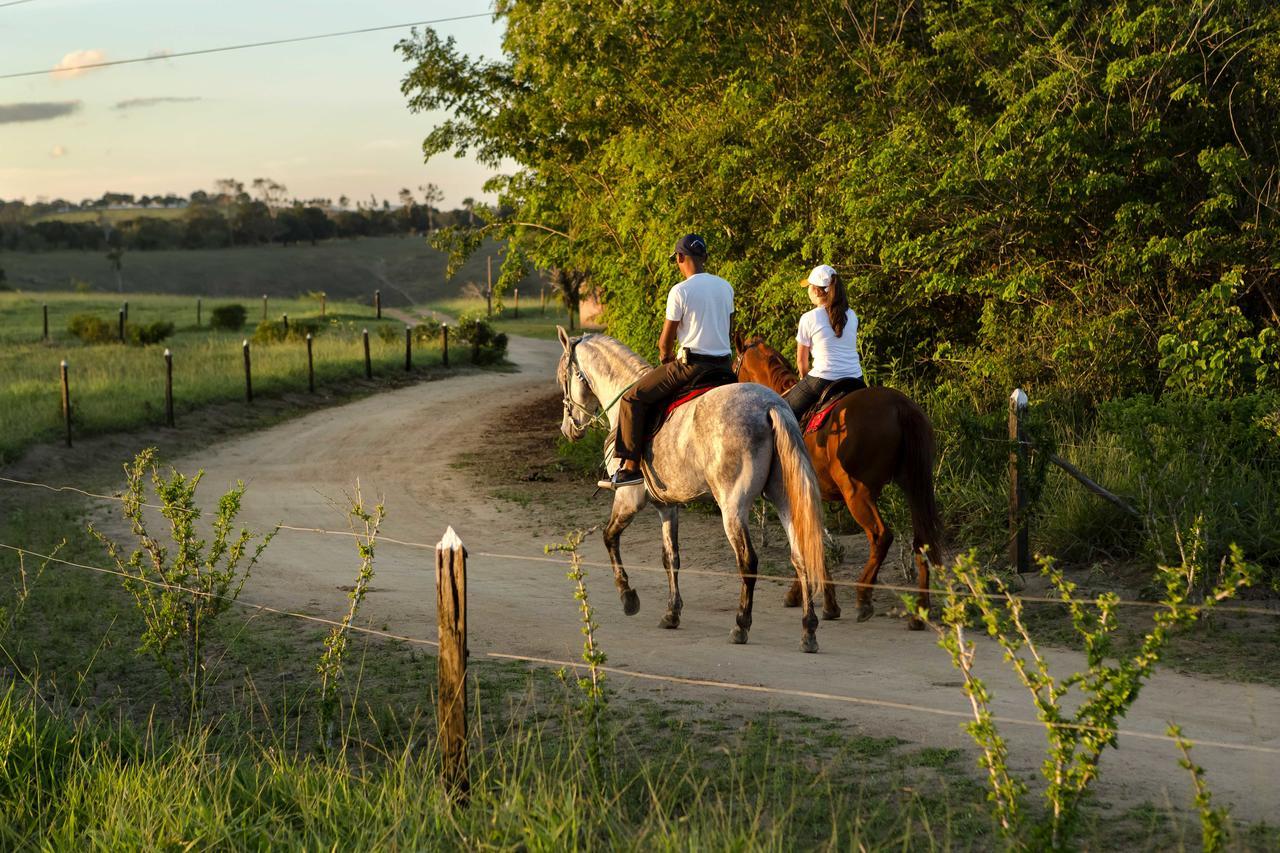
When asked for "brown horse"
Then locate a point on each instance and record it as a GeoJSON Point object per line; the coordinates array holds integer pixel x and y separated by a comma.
{"type": "Point", "coordinates": [873, 437]}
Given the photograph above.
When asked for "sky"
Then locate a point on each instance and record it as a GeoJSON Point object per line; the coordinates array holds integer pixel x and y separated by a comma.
{"type": "Point", "coordinates": [325, 118]}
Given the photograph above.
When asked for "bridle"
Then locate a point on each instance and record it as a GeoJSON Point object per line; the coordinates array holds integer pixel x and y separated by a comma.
{"type": "Point", "coordinates": [570, 404]}
{"type": "Point", "coordinates": [737, 362]}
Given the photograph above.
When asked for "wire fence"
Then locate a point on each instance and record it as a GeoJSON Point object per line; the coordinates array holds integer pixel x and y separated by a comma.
{"type": "Point", "coordinates": [736, 576]}
{"type": "Point", "coordinates": [906, 707]}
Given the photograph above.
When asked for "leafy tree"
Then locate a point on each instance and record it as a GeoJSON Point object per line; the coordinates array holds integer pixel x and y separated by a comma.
{"type": "Point", "coordinates": [1029, 193]}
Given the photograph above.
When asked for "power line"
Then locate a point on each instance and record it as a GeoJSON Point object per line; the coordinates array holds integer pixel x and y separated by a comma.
{"type": "Point", "coordinates": [15, 3]}
{"type": "Point", "coordinates": [231, 47]}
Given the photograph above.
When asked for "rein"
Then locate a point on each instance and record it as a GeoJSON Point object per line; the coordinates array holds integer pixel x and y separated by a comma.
{"type": "Point", "coordinates": [737, 362]}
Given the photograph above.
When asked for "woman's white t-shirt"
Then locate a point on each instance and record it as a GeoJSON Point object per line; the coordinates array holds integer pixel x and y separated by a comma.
{"type": "Point", "coordinates": [830, 357]}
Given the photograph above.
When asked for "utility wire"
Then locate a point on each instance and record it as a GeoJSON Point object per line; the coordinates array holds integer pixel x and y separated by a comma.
{"type": "Point", "coordinates": [231, 47]}
{"type": "Point", "coordinates": [15, 3]}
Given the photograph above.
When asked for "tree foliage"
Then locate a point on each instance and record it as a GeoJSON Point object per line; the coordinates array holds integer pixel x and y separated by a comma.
{"type": "Point", "coordinates": [1029, 193]}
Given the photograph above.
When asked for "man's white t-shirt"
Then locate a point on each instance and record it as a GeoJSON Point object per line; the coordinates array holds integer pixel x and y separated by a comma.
{"type": "Point", "coordinates": [830, 357]}
{"type": "Point", "coordinates": [701, 304]}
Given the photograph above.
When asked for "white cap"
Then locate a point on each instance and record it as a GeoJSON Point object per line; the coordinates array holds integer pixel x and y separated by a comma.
{"type": "Point", "coordinates": [821, 276]}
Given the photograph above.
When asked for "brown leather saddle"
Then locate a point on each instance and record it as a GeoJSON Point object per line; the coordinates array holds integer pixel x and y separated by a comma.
{"type": "Point", "coordinates": [817, 414]}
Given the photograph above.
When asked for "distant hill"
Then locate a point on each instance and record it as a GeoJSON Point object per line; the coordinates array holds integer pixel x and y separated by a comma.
{"type": "Point", "coordinates": [404, 268]}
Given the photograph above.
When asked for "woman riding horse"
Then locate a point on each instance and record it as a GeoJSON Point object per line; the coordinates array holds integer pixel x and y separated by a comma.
{"type": "Point", "coordinates": [826, 341]}
{"type": "Point", "coordinates": [871, 438]}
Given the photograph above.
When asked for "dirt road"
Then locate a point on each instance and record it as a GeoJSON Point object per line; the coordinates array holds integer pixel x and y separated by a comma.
{"type": "Point", "coordinates": [405, 444]}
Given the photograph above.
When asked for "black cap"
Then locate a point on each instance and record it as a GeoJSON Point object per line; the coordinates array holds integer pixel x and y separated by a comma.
{"type": "Point", "coordinates": [690, 245]}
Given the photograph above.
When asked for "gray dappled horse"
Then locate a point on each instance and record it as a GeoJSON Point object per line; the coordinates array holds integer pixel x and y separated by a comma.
{"type": "Point", "coordinates": [735, 442]}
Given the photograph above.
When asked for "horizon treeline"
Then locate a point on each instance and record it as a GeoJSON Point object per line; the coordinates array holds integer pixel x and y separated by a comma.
{"type": "Point", "coordinates": [229, 216]}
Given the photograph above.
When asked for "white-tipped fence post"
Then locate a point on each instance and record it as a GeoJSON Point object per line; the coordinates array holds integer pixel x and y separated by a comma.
{"type": "Point", "coordinates": [248, 374]}
{"type": "Point", "coordinates": [451, 617]}
{"type": "Point", "coordinates": [444, 344]}
{"type": "Point", "coordinates": [66, 400]}
{"type": "Point", "coordinates": [311, 367]}
{"type": "Point", "coordinates": [368, 363]}
{"type": "Point", "coordinates": [168, 388]}
{"type": "Point", "coordinates": [46, 322]}
{"type": "Point", "coordinates": [1019, 545]}
{"type": "Point", "coordinates": [408, 348]}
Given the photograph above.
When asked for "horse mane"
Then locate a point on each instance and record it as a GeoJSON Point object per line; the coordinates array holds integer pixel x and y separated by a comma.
{"type": "Point", "coordinates": [781, 374]}
{"type": "Point", "coordinates": [621, 357]}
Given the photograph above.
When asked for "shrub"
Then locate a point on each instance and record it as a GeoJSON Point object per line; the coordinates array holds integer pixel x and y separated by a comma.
{"type": "Point", "coordinates": [91, 329]}
{"type": "Point", "coordinates": [151, 333]}
{"type": "Point", "coordinates": [487, 346]}
{"type": "Point", "coordinates": [229, 317]}
{"type": "Point", "coordinates": [274, 331]}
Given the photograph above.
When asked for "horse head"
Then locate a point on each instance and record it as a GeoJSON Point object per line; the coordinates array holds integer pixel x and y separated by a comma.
{"type": "Point", "coordinates": [575, 391]}
{"type": "Point", "coordinates": [760, 363]}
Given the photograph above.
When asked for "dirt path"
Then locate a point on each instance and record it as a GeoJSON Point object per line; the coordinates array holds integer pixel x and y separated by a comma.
{"type": "Point", "coordinates": [405, 445]}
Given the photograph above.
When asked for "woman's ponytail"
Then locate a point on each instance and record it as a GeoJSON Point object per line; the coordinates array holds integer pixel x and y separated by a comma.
{"type": "Point", "coordinates": [837, 305]}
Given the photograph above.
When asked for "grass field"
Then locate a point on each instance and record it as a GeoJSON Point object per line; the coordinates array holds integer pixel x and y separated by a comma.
{"type": "Point", "coordinates": [405, 269]}
{"type": "Point", "coordinates": [116, 386]}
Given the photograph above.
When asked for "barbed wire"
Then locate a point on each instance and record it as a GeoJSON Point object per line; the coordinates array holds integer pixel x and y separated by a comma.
{"type": "Point", "coordinates": [640, 567]}
{"type": "Point", "coordinates": [670, 679]}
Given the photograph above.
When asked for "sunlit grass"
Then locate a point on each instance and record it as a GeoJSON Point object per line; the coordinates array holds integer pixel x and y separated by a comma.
{"type": "Point", "coordinates": [116, 386]}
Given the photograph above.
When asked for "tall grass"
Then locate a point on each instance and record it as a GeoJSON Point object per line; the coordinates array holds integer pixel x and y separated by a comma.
{"type": "Point", "coordinates": [115, 386]}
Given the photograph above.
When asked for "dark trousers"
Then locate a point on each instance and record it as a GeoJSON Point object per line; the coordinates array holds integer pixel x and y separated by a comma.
{"type": "Point", "coordinates": [655, 387]}
{"type": "Point", "coordinates": [807, 391]}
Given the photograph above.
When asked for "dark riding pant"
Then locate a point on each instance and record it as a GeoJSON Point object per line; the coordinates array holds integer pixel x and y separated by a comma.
{"type": "Point", "coordinates": [807, 391]}
{"type": "Point", "coordinates": [655, 387]}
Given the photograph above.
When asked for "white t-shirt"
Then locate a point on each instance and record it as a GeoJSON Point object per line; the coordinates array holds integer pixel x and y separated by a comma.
{"type": "Point", "coordinates": [830, 357]}
{"type": "Point", "coordinates": [701, 304]}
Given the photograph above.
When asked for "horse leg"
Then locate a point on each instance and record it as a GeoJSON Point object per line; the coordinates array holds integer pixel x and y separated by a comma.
{"type": "Point", "coordinates": [736, 528]}
{"type": "Point", "coordinates": [862, 506]}
{"type": "Point", "coordinates": [626, 503]}
{"type": "Point", "coordinates": [671, 562]}
{"type": "Point", "coordinates": [922, 571]}
{"type": "Point", "coordinates": [830, 605]}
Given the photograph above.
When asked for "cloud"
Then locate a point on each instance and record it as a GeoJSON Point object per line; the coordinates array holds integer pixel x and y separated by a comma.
{"type": "Point", "coordinates": [133, 103]}
{"type": "Point", "coordinates": [36, 111]}
{"type": "Point", "coordinates": [72, 64]}
{"type": "Point", "coordinates": [58, 151]}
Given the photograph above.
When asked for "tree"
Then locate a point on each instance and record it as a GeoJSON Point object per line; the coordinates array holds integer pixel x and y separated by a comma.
{"type": "Point", "coordinates": [431, 196]}
{"type": "Point", "coordinates": [1032, 192]}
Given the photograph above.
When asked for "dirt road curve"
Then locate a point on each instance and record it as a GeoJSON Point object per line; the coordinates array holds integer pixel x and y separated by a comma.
{"type": "Point", "coordinates": [402, 443]}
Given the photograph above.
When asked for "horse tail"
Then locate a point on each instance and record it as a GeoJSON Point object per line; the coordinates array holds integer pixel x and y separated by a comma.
{"type": "Point", "coordinates": [916, 470]}
{"type": "Point", "coordinates": [801, 484]}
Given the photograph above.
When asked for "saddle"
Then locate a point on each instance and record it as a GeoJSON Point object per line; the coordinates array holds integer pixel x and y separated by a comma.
{"type": "Point", "coordinates": [713, 379]}
{"type": "Point", "coordinates": [817, 414]}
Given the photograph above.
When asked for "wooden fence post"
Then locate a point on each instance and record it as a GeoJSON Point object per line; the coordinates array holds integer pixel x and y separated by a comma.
{"type": "Point", "coordinates": [324, 297]}
{"type": "Point", "coordinates": [488, 289]}
{"type": "Point", "coordinates": [46, 321]}
{"type": "Point", "coordinates": [368, 365]}
{"type": "Point", "coordinates": [517, 303]}
{"type": "Point", "coordinates": [198, 306]}
{"type": "Point", "coordinates": [444, 344]}
{"type": "Point", "coordinates": [284, 318]}
{"type": "Point", "coordinates": [544, 302]}
{"type": "Point", "coordinates": [311, 367]}
{"type": "Point", "coordinates": [264, 307]}
{"type": "Point", "coordinates": [168, 388]}
{"type": "Point", "coordinates": [66, 400]}
{"type": "Point", "coordinates": [248, 375]}
{"type": "Point", "coordinates": [408, 348]}
{"type": "Point", "coordinates": [451, 617]}
{"type": "Point", "coordinates": [121, 324]}
{"type": "Point", "coordinates": [377, 302]}
{"type": "Point", "coordinates": [1019, 546]}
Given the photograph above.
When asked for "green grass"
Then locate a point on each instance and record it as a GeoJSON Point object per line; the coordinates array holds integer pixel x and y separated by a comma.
{"type": "Point", "coordinates": [405, 269]}
{"type": "Point", "coordinates": [532, 322]}
{"type": "Point", "coordinates": [119, 387]}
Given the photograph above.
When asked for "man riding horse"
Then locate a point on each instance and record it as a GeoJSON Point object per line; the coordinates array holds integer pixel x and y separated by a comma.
{"type": "Point", "coordinates": [699, 316]}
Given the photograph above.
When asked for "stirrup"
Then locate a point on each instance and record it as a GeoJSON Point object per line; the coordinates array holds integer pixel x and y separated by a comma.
{"type": "Point", "coordinates": [622, 479]}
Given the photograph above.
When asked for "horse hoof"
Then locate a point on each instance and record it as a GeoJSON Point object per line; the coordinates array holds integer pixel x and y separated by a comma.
{"type": "Point", "coordinates": [671, 620]}
{"type": "Point", "coordinates": [914, 624]}
{"type": "Point", "coordinates": [809, 644]}
{"type": "Point", "coordinates": [630, 602]}
{"type": "Point", "coordinates": [738, 635]}
{"type": "Point", "coordinates": [792, 598]}
{"type": "Point", "coordinates": [865, 612]}
{"type": "Point", "coordinates": [831, 613]}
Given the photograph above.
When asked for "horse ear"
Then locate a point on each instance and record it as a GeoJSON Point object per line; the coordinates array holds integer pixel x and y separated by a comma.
{"type": "Point", "coordinates": [739, 339]}
{"type": "Point", "coordinates": [563, 335]}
